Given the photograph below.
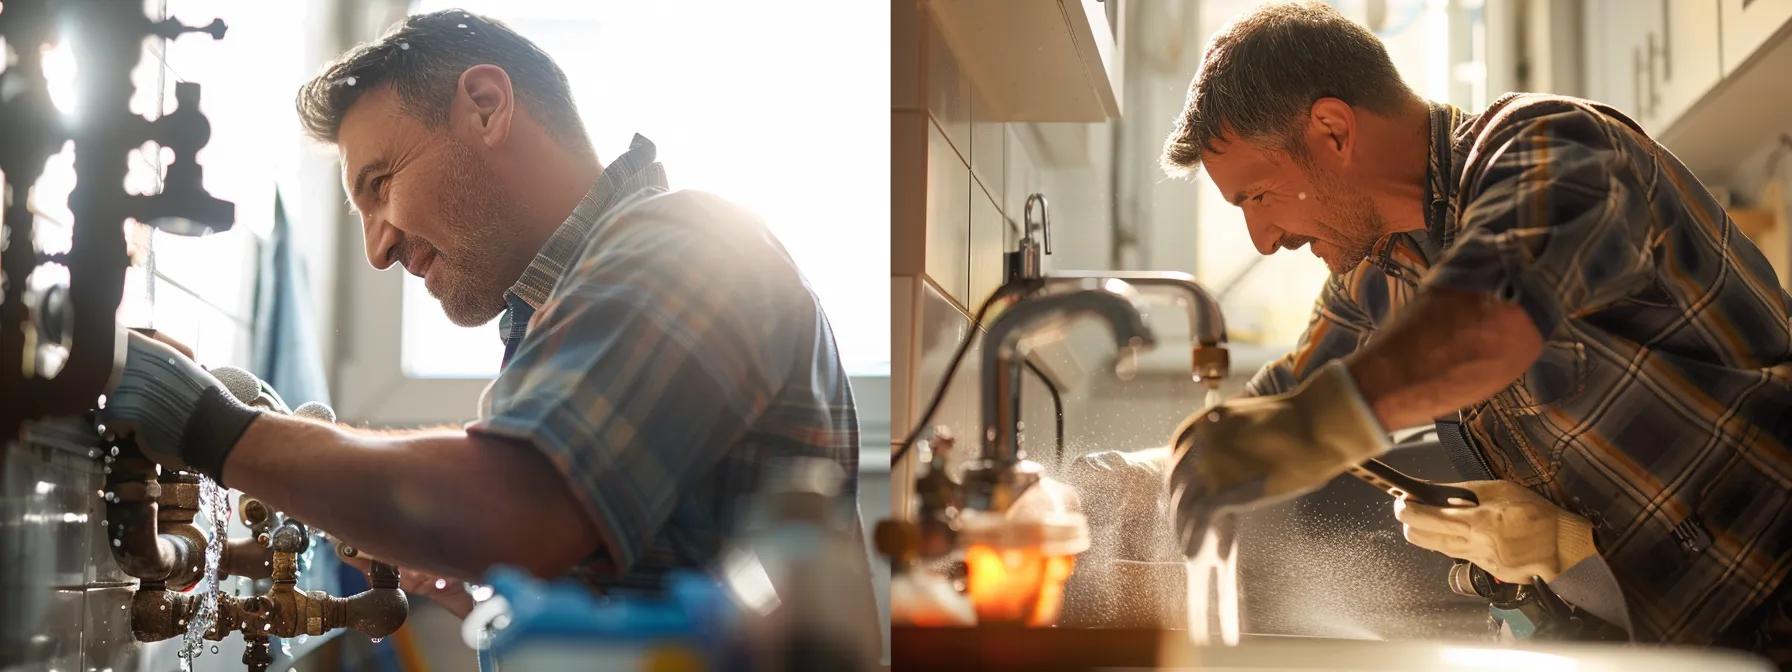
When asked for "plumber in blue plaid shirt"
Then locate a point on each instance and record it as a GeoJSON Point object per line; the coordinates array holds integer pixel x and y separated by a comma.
{"type": "Point", "coordinates": [662, 351]}
{"type": "Point", "coordinates": [1618, 353]}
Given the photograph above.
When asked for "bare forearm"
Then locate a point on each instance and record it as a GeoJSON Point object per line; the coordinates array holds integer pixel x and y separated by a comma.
{"type": "Point", "coordinates": [1445, 350]}
{"type": "Point", "coordinates": [437, 500]}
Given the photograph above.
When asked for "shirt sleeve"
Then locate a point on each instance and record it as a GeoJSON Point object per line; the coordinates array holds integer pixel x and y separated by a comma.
{"type": "Point", "coordinates": [1591, 586]}
{"type": "Point", "coordinates": [1338, 327]}
{"type": "Point", "coordinates": [1558, 220]}
{"type": "Point", "coordinates": [655, 354]}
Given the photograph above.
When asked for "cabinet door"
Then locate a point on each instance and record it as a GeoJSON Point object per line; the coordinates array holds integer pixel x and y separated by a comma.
{"type": "Point", "coordinates": [1687, 63]}
{"type": "Point", "coordinates": [1614, 55]}
{"type": "Point", "coordinates": [1746, 26]}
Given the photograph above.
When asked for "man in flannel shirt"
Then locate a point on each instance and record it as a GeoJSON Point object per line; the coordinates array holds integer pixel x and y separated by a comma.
{"type": "Point", "coordinates": [663, 354]}
{"type": "Point", "coordinates": [1542, 273]}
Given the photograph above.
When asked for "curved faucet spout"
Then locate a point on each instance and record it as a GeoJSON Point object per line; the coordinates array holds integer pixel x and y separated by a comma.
{"type": "Point", "coordinates": [1115, 303]}
{"type": "Point", "coordinates": [1206, 325]}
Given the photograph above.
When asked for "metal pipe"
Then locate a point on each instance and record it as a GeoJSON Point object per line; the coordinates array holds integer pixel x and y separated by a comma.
{"type": "Point", "coordinates": [151, 526]}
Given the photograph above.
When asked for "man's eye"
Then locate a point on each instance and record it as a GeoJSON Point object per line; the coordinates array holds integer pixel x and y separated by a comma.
{"type": "Point", "coordinates": [379, 185]}
{"type": "Point", "coordinates": [1259, 197]}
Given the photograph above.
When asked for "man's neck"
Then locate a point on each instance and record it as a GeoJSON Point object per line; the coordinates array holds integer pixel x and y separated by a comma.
{"type": "Point", "coordinates": [564, 186]}
{"type": "Point", "coordinates": [1398, 168]}
{"type": "Point", "coordinates": [557, 185]}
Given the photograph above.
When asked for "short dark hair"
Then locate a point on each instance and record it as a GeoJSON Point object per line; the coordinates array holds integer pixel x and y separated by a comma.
{"type": "Point", "coordinates": [1261, 74]}
{"type": "Point", "coordinates": [422, 58]}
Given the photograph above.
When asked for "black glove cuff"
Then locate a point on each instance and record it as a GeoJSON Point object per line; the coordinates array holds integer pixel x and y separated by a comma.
{"type": "Point", "coordinates": [217, 422]}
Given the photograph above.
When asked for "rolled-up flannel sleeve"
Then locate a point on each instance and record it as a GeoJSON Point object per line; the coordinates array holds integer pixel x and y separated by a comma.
{"type": "Point", "coordinates": [1338, 327]}
{"type": "Point", "coordinates": [655, 354]}
{"type": "Point", "coordinates": [1557, 221]}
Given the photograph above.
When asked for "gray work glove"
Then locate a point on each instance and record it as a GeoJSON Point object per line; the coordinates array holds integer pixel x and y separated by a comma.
{"type": "Point", "coordinates": [1258, 450]}
{"type": "Point", "coordinates": [180, 415]}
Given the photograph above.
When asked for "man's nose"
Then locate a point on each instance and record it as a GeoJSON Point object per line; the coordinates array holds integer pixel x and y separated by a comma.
{"type": "Point", "coordinates": [1264, 235]}
{"type": "Point", "coordinates": [381, 237]}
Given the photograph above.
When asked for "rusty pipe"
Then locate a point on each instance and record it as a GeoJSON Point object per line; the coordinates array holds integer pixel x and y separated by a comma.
{"type": "Point", "coordinates": [158, 613]}
{"type": "Point", "coordinates": [381, 609]}
{"type": "Point", "coordinates": [247, 558]}
{"type": "Point", "coordinates": [286, 611]}
{"type": "Point", "coordinates": [152, 533]}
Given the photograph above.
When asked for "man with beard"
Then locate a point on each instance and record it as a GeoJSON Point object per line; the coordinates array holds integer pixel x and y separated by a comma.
{"type": "Point", "coordinates": [1545, 279]}
{"type": "Point", "coordinates": [662, 353]}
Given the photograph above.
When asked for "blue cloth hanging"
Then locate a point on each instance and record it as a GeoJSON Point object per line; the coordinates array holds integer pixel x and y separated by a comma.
{"type": "Point", "coordinates": [286, 354]}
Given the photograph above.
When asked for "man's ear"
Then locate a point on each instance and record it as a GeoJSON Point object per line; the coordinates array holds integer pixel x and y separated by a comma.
{"type": "Point", "coordinates": [483, 105]}
{"type": "Point", "coordinates": [1330, 133]}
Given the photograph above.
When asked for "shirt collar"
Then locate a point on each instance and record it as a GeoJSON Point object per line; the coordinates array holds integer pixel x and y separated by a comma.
{"type": "Point", "coordinates": [1443, 172]}
{"type": "Point", "coordinates": [635, 170]}
{"type": "Point", "coordinates": [1412, 251]}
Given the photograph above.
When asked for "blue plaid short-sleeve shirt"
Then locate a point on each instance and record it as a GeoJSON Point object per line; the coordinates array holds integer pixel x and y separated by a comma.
{"type": "Point", "coordinates": [662, 351]}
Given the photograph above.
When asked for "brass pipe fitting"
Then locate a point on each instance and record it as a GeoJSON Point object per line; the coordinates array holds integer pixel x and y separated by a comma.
{"type": "Point", "coordinates": [1212, 364]}
{"type": "Point", "coordinates": [158, 614]}
{"type": "Point", "coordinates": [151, 526]}
{"type": "Point", "coordinates": [284, 611]}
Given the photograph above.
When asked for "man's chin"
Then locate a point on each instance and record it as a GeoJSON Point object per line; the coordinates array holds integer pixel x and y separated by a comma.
{"type": "Point", "coordinates": [1336, 262]}
{"type": "Point", "coordinates": [467, 313]}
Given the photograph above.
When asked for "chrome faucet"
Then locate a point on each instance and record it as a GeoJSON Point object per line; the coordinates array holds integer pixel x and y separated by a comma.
{"type": "Point", "coordinates": [999, 476]}
{"type": "Point", "coordinates": [1209, 360]}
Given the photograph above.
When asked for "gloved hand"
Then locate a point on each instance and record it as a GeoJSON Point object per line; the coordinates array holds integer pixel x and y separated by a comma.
{"type": "Point", "coordinates": [178, 413]}
{"type": "Point", "coordinates": [1513, 533]}
{"type": "Point", "coordinates": [1252, 451]}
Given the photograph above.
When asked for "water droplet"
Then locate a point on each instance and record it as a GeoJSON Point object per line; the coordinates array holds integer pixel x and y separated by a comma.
{"type": "Point", "coordinates": [471, 33]}
{"type": "Point", "coordinates": [481, 593]}
{"type": "Point", "coordinates": [163, 608]}
{"type": "Point", "coordinates": [350, 81]}
{"type": "Point", "coordinates": [402, 46]}
{"type": "Point", "coordinates": [93, 452]}
{"type": "Point", "coordinates": [441, 583]}
{"type": "Point", "coordinates": [214, 648]}
{"type": "Point", "coordinates": [304, 638]}
{"type": "Point", "coordinates": [108, 470]}
{"type": "Point", "coordinates": [115, 451]}
{"type": "Point", "coordinates": [103, 522]}
{"type": "Point", "coordinates": [123, 607]}
{"type": "Point", "coordinates": [377, 640]}
{"type": "Point", "coordinates": [171, 360]}
{"type": "Point", "coordinates": [460, 25]}
{"type": "Point", "coordinates": [116, 543]}
{"type": "Point", "coordinates": [266, 627]}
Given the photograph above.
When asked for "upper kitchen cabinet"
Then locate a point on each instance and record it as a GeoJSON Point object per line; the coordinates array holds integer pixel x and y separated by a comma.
{"type": "Point", "coordinates": [1747, 24]}
{"type": "Point", "coordinates": [1038, 60]}
{"type": "Point", "coordinates": [1652, 60]}
{"type": "Point", "coordinates": [1705, 77]}
{"type": "Point", "coordinates": [1751, 103]}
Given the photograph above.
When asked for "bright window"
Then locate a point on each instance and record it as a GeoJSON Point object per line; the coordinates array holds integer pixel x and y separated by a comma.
{"type": "Point", "coordinates": [786, 127]}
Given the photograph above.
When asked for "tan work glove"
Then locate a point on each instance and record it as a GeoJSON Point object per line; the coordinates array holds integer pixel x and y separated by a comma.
{"type": "Point", "coordinates": [1513, 533]}
{"type": "Point", "coordinates": [1252, 451]}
